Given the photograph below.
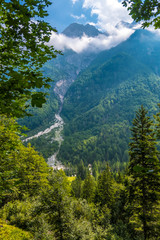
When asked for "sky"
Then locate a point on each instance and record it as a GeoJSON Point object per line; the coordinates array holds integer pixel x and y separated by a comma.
{"type": "Point", "coordinates": [105, 15]}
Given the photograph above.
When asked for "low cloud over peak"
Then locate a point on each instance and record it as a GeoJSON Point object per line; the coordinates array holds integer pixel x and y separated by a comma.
{"type": "Point", "coordinates": [97, 43]}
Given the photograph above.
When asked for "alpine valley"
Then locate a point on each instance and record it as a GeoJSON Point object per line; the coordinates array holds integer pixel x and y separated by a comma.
{"type": "Point", "coordinates": [94, 97]}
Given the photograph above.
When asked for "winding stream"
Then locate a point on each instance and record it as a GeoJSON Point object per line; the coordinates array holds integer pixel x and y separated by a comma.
{"type": "Point", "coordinates": [60, 89]}
{"type": "Point", "coordinates": [58, 124]}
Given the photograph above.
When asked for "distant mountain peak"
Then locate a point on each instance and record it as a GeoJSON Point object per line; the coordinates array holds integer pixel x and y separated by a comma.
{"type": "Point", "coordinates": [126, 24]}
{"type": "Point", "coordinates": [78, 30]}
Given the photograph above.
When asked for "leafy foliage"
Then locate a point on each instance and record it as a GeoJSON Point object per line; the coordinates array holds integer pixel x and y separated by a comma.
{"type": "Point", "coordinates": [22, 170]}
{"type": "Point", "coordinates": [24, 50]}
{"type": "Point", "coordinates": [147, 11]}
{"type": "Point", "coordinates": [8, 232]}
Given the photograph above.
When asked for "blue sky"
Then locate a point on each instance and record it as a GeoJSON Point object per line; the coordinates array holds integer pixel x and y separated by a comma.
{"type": "Point", "coordinates": [64, 12]}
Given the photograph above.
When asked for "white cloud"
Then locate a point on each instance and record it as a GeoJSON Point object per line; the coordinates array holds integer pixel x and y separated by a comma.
{"type": "Point", "coordinates": [99, 43]}
{"type": "Point", "coordinates": [78, 17]}
{"type": "Point", "coordinates": [109, 13]}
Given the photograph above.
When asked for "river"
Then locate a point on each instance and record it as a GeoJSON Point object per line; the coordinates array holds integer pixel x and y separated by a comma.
{"type": "Point", "coordinates": [60, 90]}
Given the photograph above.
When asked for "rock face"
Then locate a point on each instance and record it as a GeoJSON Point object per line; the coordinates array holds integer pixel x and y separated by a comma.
{"type": "Point", "coordinates": [70, 64]}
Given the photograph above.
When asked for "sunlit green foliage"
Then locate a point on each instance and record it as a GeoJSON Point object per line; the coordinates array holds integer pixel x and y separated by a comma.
{"type": "Point", "coordinates": [105, 190]}
{"type": "Point", "coordinates": [89, 188]}
{"type": "Point", "coordinates": [22, 170]}
{"type": "Point", "coordinates": [8, 232]}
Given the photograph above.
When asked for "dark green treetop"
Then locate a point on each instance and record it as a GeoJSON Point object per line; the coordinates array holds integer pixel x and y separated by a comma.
{"type": "Point", "coordinates": [23, 48]}
{"type": "Point", "coordinates": [147, 11]}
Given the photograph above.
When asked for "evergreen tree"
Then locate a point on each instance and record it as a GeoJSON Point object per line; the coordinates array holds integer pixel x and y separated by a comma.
{"type": "Point", "coordinates": [105, 190]}
{"type": "Point", "coordinates": [89, 186]}
{"type": "Point", "coordinates": [55, 203]}
{"type": "Point", "coordinates": [81, 170]}
{"type": "Point", "coordinates": [77, 187]}
{"type": "Point", "coordinates": [157, 118]}
{"type": "Point", "coordinates": [95, 170]}
{"type": "Point", "coordinates": [144, 169]}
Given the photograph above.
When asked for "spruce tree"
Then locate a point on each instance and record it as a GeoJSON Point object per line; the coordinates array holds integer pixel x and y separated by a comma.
{"type": "Point", "coordinates": [105, 190]}
{"type": "Point", "coordinates": [89, 187]}
{"type": "Point", "coordinates": [144, 170]}
{"type": "Point", "coordinates": [81, 170]}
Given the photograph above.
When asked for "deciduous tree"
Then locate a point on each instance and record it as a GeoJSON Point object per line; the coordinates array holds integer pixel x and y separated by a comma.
{"type": "Point", "coordinates": [24, 38]}
{"type": "Point", "coordinates": [146, 11]}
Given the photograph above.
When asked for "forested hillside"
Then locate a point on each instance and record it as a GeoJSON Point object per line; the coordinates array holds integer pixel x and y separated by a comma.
{"type": "Point", "coordinates": [39, 203]}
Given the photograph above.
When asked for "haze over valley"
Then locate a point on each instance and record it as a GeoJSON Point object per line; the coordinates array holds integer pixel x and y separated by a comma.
{"type": "Point", "coordinates": [96, 93]}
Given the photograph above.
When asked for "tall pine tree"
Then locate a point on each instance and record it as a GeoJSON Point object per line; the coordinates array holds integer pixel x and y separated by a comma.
{"type": "Point", "coordinates": [144, 169]}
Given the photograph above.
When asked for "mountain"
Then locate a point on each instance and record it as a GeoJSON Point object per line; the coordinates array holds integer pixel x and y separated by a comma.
{"type": "Point", "coordinates": [78, 30]}
{"type": "Point", "coordinates": [126, 24]}
{"type": "Point", "coordinates": [63, 71]}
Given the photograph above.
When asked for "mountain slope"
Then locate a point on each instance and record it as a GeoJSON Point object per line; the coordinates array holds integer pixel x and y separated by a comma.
{"type": "Point", "coordinates": [142, 44]}
{"type": "Point", "coordinates": [92, 86]}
